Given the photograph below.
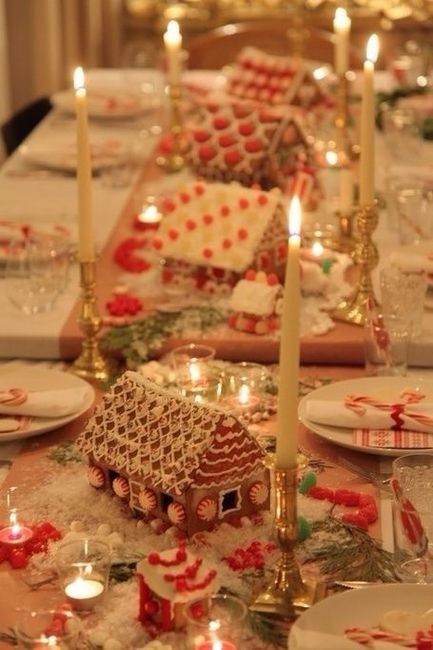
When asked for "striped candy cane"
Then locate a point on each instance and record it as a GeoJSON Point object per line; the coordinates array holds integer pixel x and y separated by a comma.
{"type": "Point", "coordinates": [358, 403]}
{"type": "Point", "coordinates": [13, 397]}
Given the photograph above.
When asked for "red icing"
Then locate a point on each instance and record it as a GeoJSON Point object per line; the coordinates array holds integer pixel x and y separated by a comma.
{"type": "Point", "coordinates": [190, 224]}
{"type": "Point", "coordinates": [262, 199]}
{"type": "Point", "coordinates": [207, 252]}
{"type": "Point", "coordinates": [185, 197]}
{"type": "Point", "coordinates": [227, 243]}
{"type": "Point", "coordinates": [243, 203]}
{"type": "Point", "coordinates": [207, 219]}
{"type": "Point", "coordinates": [243, 233]}
{"type": "Point", "coordinates": [157, 244]}
{"type": "Point", "coordinates": [199, 189]}
{"type": "Point", "coordinates": [225, 210]}
{"type": "Point", "coordinates": [173, 234]}
{"type": "Point", "coordinates": [168, 205]}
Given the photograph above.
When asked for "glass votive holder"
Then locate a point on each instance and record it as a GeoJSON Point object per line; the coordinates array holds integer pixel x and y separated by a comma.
{"type": "Point", "coordinates": [191, 364]}
{"type": "Point", "coordinates": [215, 623]}
{"type": "Point", "coordinates": [319, 242]}
{"type": "Point", "coordinates": [14, 529]}
{"type": "Point", "coordinates": [46, 628]}
{"type": "Point", "coordinates": [246, 386]}
{"type": "Point", "coordinates": [83, 566]}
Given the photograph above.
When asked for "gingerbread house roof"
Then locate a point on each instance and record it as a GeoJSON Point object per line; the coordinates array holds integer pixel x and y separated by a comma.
{"type": "Point", "coordinates": [219, 225]}
{"type": "Point", "coordinates": [166, 440]}
{"type": "Point", "coordinates": [273, 80]}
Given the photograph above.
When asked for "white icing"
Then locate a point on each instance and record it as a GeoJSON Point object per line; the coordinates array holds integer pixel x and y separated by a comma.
{"type": "Point", "coordinates": [254, 298]}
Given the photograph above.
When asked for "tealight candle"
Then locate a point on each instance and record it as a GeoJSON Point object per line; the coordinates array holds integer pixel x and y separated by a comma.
{"type": "Point", "coordinates": [83, 592]}
{"type": "Point", "coordinates": [148, 217]}
{"type": "Point", "coordinates": [216, 645]}
{"type": "Point", "coordinates": [15, 533]}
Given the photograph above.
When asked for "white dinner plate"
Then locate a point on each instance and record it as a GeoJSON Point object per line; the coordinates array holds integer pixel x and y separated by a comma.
{"type": "Point", "coordinates": [361, 608]}
{"type": "Point", "coordinates": [386, 387]}
{"type": "Point", "coordinates": [61, 155]}
{"type": "Point", "coordinates": [105, 104]}
{"type": "Point", "coordinates": [33, 378]}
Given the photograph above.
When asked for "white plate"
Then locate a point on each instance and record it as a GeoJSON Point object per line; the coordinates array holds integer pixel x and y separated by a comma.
{"type": "Point", "coordinates": [387, 387]}
{"type": "Point", "coordinates": [360, 607]}
{"type": "Point", "coordinates": [61, 155]}
{"type": "Point", "coordinates": [107, 104]}
{"type": "Point", "coordinates": [41, 379]}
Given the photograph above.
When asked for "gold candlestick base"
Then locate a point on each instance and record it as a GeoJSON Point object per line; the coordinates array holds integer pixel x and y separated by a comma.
{"type": "Point", "coordinates": [355, 309]}
{"type": "Point", "coordinates": [175, 161]}
{"type": "Point", "coordinates": [91, 365]}
{"type": "Point", "coordinates": [288, 592]}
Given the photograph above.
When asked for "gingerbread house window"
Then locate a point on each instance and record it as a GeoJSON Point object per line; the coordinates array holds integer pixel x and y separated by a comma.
{"type": "Point", "coordinates": [165, 500]}
{"type": "Point", "coordinates": [229, 501]}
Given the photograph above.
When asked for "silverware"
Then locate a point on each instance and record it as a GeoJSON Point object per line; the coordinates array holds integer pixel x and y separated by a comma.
{"type": "Point", "coordinates": [380, 480]}
{"type": "Point", "coordinates": [354, 584]}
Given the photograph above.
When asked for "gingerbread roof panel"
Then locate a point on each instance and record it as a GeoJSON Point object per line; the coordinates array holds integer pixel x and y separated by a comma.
{"type": "Point", "coordinates": [142, 430]}
{"type": "Point", "coordinates": [221, 226]}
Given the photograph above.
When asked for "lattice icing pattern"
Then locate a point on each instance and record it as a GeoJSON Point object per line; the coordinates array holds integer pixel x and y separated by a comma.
{"type": "Point", "coordinates": [220, 225]}
{"type": "Point", "coordinates": [170, 442]}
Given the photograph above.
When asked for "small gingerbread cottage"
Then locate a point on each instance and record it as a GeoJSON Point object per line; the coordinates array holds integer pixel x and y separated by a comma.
{"type": "Point", "coordinates": [190, 465]}
{"type": "Point", "coordinates": [167, 581]}
{"type": "Point", "coordinates": [273, 80]}
{"type": "Point", "coordinates": [213, 232]}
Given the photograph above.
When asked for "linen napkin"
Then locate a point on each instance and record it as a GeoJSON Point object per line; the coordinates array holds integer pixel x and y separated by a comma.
{"type": "Point", "coordinates": [311, 640]}
{"type": "Point", "coordinates": [382, 438]}
{"type": "Point", "coordinates": [47, 403]}
{"type": "Point", "coordinates": [390, 415]}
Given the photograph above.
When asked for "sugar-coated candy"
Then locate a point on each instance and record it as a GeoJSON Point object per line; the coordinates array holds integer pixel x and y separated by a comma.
{"type": "Point", "coordinates": [308, 481]}
{"type": "Point", "coordinates": [304, 529]}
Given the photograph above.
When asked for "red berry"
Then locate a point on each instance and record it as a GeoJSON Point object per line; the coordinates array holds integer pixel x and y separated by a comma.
{"type": "Point", "coordinates": [232, 157]}
{"type": "Point", "coordinates": [201, 135]}
{"type": "Point", "coordinates": [220, 122]}
{"type": "Point", "coordinates": [18, 558]}
{"type": "Point", "coordinates": [206, 152]}
{"type": "Point", "coordinates": [153, 558]}
{"type": "Point", "coordinates": [226, 140]}
{"type": "Point", "coordinates": [254, 145]}
{"type": "Point", "coordinates": [246, 128]}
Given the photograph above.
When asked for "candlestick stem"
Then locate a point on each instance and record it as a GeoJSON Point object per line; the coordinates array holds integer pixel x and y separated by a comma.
{"type": "Point", "coordinates": [346, 235]}
{"type": "Point", "coordinates": [341, 115]}
{"type": "Point", "coordinates": [366, 257]}
{"type": "Point", "coordinates": [91, 365]}
{"type": "Point", "coordinates": [175, 160]}
{"type": "Point", "coordinates": [288, 592]}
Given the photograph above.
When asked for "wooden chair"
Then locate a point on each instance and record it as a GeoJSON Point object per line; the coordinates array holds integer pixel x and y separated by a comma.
{"type": "Point", "coordinates": [220, 46]}
{"type": "Point", "coordinates": [19, 125]}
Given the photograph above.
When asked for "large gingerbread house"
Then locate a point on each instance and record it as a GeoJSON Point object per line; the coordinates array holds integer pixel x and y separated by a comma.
{"type": "Point", "coordinates": [190, 465]}
{"type": "Point", "coordinates": [213, 232]}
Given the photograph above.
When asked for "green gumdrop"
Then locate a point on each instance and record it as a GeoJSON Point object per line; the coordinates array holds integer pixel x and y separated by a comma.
{"type": "Point", "coordinates": [307, 482]}
{"type": "Point", "coordinates": [304, 529]}
{"type": "Point", "coordinates": [327, 265]}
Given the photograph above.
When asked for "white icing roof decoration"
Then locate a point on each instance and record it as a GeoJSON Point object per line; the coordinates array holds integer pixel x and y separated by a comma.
{"type": "Point", "coordinates": [219, 225]}
{"type": "Point", "coordinates": [167, 441]}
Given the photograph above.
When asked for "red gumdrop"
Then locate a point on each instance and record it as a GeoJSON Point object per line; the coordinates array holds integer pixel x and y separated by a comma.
{"type": "Point", "coordinates": [366, 500]}
{"type": "Point", "coordinates": [321, 493]}
{"type": "Point", "coordinates": [18, 558]}
{"type": "Point", "coordinates": [355, 519]}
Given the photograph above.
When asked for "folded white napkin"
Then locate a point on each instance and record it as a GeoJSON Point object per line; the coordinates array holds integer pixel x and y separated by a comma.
{"type": "Point", "coordinates": [411, 262]}
{"type": "Point", "coordinates": [47, 403]}
{"type": "Point", "coordinates": [336, 414]}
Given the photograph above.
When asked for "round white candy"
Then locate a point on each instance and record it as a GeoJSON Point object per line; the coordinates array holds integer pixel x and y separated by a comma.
{"type": "Point", "coordinates": [103, 530]}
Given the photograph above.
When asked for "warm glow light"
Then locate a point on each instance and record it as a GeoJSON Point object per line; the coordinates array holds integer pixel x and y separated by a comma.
{"type": "Point", "coordinates": [149, 214]}
{"type": "Point", "coordinates": [341, 19]}
{"type": "Point", "coordinates": [244, 394]}
{"type": "Point", "coordinates": [295, 217]}
{"type": "Point", "coordinates": [331, 158]}
{"type": "Point", "coordinates": [217, 645]}
{"type": "Point", "coordinates": [317, 249]}
{"type": "Point", "coordinates": [373, 48]}
{"type": "Point", "coordinates": [81, 589]}
{"type": "Point", "coordinates": [79, 78]}
{"type": "Point", "coordinates": [321, 72]}
{"type": "Point", "coordinates": [214, 625]}
{"type": "Point", "coordinates": [173, 31]}
{"type": "Point", "coordinates": [194, 371]}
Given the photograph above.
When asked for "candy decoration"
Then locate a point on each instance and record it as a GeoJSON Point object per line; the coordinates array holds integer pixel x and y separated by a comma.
{"type": "Point", "coordinates": [13, 397]}
{"type": "Point", "coordinates": [308, 481]}
{"type": "Point", "coordinates": [147, 500]}
{"type": "Point", "coordinates": [125, 255]}
{"type": "Point", "coordinates": [176, 513]}
{"type": "Point", "coordinates": [258, 493]}
{"type": "Point", "coordinates": [124, 304]}
{"type": "Point", "coordinates": [207, 509]}
{"type": "Point", "coordinates": [304, 529]}
{"type": "Point", "coordinates": [121, 487]}
{"type": "Point", "coordinates": [411, 521]}
{"type": "Point", "coordinates": [251, 557]}
{"type": "Point", "coordinates": [95, 476]}
{"type": "Point", "coordinates": [366, 513]}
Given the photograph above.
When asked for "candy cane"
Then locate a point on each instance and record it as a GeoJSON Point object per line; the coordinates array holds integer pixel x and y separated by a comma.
{"type": "Point", "coordinates": [13, 397]}
{"type": "Point", "coordinates": [410, 519]}
{"type": "Point", "coordinates": [356, 403]}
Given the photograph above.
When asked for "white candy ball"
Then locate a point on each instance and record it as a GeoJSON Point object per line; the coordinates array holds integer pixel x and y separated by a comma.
{"type": "Point", "coordinates": [76, 526]}
{"type": "Point", "coordinates": [103, 530]}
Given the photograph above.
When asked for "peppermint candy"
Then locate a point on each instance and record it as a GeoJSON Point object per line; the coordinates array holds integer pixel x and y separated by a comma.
{"type": "Point", "coordinates": [95, 476]}
{"type": "Point", "coordinates": [206, 509]}
{"type": "Point", "coordinates": [258, 493]}
{"type": "Point", "coordinates": [147, 500]}
{"type": "Point", "coordinates": [121, 487]}
{"type": "Point", "coordinates": [176, 513]}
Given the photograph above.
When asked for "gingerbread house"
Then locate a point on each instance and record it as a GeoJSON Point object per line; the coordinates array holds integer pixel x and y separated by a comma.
{"type": "Point", "coordinates": [213, 232]}
{"type": "Point", "coordinates": [254, 145]}
{"type": "Point", "coordinates": [167, 581]}
{"type": "Point", "coordinates": [273, 80]}
{"type": "Point", "coordinates": [190, 465]}
{"type": "Point", "coordinates": [256, 303]}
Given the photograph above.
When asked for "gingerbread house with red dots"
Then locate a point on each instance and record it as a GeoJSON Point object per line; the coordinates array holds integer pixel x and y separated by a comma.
{"type": "Point", "coordinates": [167, 581]}
{"type": "Point", "coordinates": [213, 232]}
{"type": "Point", "coordinates": [273, 80]}
{"type": "Point", "coordinates": [184, 464]}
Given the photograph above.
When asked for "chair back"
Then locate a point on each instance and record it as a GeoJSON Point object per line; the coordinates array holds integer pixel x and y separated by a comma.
{"type": "Point", "coordinates": [220, 46]}
{"type": "Point", "coordinates": [20, 124]}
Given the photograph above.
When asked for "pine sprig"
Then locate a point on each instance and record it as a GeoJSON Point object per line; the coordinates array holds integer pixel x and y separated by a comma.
{"type": "Point", "coordinates": [139, 340]}
{"type": "Point", "coordinates": [65, 453]}
{"type": "Point", "coordinates": [345, 552]}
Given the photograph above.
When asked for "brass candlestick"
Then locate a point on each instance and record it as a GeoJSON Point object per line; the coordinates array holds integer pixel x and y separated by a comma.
{"type": "Point", "coordinates": [346, 234]}
{"type": "Point", "coordinates": [175, 160]}
{"type": "Point", "coordinates": [366, 257]}
{"type": "Point", "coordinates": [91, 365]}
{"type": "Point", "coordinates": [288, 591]}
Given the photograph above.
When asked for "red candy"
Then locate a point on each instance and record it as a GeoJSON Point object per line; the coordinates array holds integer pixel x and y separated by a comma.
{"type": "Point", "coordinates": [125, 255]}
{"type": "Point", "coordinates": [225, 210]}
{"type": "Point", "coordinates": [124, 305]}
{"type": "Point", "coordinates": [243, 233]}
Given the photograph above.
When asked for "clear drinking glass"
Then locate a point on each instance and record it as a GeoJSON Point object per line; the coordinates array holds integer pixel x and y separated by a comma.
{"type": "Point", "coordinates": [414, 204]}
{"type": "Point", "coordinates": [403, 295]}
{"type": "Point", "coordinates": [45, 628]}
{"type": "Point", "coordinates": [36, 271]}
{"type": "Point", "coordinates": [215, 622]}
{"type": "Point", "coordinates": [386, 345]}
{"type": "Point", "coordinates": [402, 133]}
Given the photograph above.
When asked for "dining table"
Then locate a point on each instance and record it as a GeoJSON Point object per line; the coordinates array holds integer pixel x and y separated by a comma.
{"type": "Point", "coordinates": [37, 188]}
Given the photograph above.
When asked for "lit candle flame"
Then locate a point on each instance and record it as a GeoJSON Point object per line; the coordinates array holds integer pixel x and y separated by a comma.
{"type": "Point", "coordinates": [173, 31]}
{"type": "Point", "coordinates": [331, 158]}
{"type": "Point", "coordinates": [149, 214]}
{"type": "Point", "coordinates": [79, 83]}
{"type": "Point", "coordinates": [194, 371]}
{"type": "Point", "coordinates": [341, 19]}
{"type": "Point", "coordinates": [373, 48]}
{"type": "Point", "coordinates": [317, 249]}
{"type": "Point", "coordinates": [295, 217]}
{"type": "Point", "coordinates": [244, 394]}
{"type": "Point", "coordinates": [217, 645]}
{"type": "Point", "coordinates": [214, 625]}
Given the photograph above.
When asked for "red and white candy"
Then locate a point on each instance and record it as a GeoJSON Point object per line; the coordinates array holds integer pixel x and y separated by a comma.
{"type": "Point", "coordinates": [147, 500]}
{"type": "Point", "coordinates": [121, 487]}
{"type": "Point", "coordinates": [258, 493]}
{"type": "Point", "coordinates": [176, 513]}
{"type": "Point", "coordinates": [207, 509]}
{"type": "Point", "coordinates": [95, 476]}
{"type": "Point", "coordinates": [13, 396]}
